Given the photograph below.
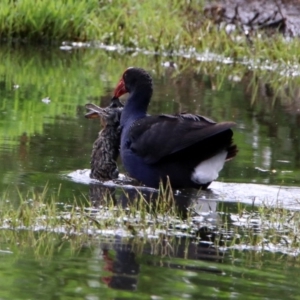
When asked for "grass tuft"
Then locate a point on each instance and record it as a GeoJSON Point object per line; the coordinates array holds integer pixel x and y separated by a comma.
{"type": "Point", "coordinates": [158, 26]}
{"type": "Point", "coordinates": [46, 222]}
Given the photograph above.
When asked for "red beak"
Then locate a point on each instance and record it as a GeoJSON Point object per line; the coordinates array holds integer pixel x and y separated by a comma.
{"type": "Point", "coordinates": [120, 89]}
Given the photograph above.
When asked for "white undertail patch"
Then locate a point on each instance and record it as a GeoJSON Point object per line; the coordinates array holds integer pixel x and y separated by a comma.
{"type": "Point", "coordinates": [208, 170]}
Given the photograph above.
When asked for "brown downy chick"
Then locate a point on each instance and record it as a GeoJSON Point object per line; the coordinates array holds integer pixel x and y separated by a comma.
{"type": "Point", "coordinates": [106, 147]}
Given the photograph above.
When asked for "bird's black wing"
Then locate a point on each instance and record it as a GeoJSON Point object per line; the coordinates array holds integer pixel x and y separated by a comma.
{"type": "Point", "coordinates": [155, 137]}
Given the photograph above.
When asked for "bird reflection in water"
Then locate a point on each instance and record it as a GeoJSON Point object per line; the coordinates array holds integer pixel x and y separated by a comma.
{"type": "Point", "coordinates": [121, 256]}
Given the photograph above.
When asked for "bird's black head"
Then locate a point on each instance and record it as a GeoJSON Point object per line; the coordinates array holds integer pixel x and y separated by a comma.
{"type": "Point", "coordinates": [131, 79]}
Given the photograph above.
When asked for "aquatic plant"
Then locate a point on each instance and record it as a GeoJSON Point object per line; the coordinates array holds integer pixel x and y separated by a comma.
{"type": "Point", "coordinates": [240, 226]}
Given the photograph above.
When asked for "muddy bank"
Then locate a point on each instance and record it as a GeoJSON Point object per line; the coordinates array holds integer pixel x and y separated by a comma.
{"type": "Point", "coordinates": [248, 15]}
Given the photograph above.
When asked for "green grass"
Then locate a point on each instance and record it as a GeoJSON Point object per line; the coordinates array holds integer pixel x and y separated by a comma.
{"type": "Point", "coordinates": [153, 25]}
{"type": "Point", "coordinates": [39, 211]}
{"type": "Point", "coordinates": [43, 219]}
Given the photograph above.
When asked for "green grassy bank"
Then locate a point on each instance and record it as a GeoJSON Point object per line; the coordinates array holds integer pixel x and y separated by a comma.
{"type": "Point", "coordinates": [154, 25]}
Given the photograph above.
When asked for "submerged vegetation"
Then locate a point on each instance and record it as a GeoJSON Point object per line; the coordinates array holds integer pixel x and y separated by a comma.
{"type": "Point", "coordinates": [157, 26]}
{"type": "Point", "coordinates": [43, 218]}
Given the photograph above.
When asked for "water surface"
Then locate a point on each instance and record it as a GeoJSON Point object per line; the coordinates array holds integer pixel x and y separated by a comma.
{"type": "Point", "coordinates": [44, 137]}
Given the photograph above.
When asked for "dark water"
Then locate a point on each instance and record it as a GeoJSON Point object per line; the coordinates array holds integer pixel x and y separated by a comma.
{"type": "Point", "coordinates": [160, 272]}
{"type": "Point", "coordinates": [42, 141]}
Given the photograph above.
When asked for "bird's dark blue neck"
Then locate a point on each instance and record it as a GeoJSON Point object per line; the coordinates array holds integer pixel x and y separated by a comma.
{"type": "Point", "coordinates": [136, 106]}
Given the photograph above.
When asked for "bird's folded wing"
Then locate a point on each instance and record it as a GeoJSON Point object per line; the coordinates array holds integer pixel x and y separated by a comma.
{"type": "Point", "coordinates": [155, 137]}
